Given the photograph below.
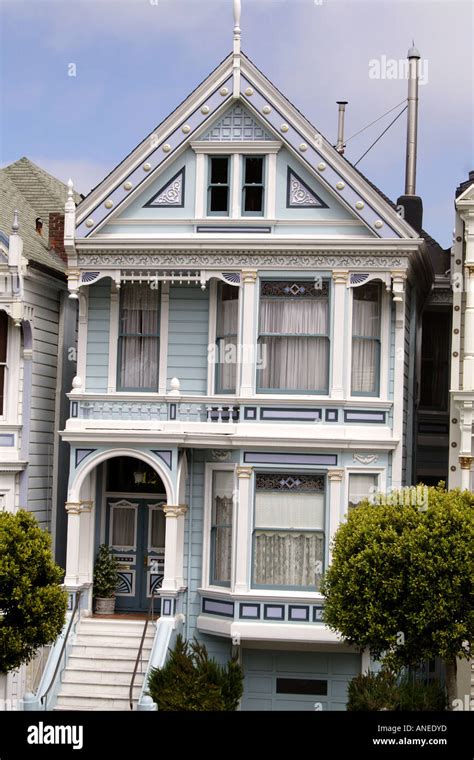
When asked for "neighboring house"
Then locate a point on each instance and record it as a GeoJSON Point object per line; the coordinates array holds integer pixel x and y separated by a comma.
{"type": "Point", "coordinates": [37, 333]}
{"type": "Point", "coordinates": [248, 314]}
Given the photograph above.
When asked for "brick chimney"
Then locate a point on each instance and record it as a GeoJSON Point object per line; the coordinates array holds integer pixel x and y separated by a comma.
{"type": "Point", "coordinates": [56, 235]}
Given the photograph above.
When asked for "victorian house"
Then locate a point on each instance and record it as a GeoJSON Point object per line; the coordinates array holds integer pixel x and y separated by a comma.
{"type": "Point", "coordinates": [248, 313]}
{"type": "Point", "coordinates": [37, 353]}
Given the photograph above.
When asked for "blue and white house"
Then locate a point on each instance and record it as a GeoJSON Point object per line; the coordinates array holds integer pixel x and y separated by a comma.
{"type": "Point", "coordinates": [248, 306]}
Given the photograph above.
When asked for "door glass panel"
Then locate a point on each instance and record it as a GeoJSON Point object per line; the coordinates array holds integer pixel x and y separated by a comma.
{"type": "Point", "coordinates": [123, 527]}
{"type": "Point", "coordinates": [157, 538]}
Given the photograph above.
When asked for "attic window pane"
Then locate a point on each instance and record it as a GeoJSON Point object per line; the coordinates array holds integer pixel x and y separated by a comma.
{"type": "Point", "coordinates": [253, 188]}
{"type": "Point", "coordinates": [219, 185]}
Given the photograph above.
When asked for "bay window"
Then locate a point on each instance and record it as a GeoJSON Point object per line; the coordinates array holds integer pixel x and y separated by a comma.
{"type": "Point", "coordinates": [293, 336]}
{"type": "Point", "coordinates": [138, 338]}
{"type": "Point", "coordinates": [221, 527]}
{"type": "Point", "coordinates": [226, 338]}
{"type": "Point", "coordinates": [288, 538]}
{"type": "Point", "coordinates": [366, 315]}
{"type": "Point", "coordinates": [3, 358]}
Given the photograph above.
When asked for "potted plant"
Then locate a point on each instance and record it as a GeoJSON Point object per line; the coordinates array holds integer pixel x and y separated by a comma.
{"type": "Point", "coordinates": [106, 579]}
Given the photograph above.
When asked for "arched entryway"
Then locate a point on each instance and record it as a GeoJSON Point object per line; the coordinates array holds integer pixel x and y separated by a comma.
{"type": "Point", "coordinates": [133, 525]}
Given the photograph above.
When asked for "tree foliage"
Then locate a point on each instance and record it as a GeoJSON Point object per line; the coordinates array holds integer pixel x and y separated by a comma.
{"type": "Point", "coordinates": [32, 602]}
{"type": "Point", "coordinates": [385, 691]}
{"type": "Point", "coordinates": [401, 578]}
{"type": "Point", "coordinates": [192, 682]}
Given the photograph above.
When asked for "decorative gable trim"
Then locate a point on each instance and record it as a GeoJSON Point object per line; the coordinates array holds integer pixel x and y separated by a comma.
{"type": "Point", "coordinates": [299, 194]}
{"type": "Point", "coordinates": [170, 195]}
{"type": "Point", "coordinates": [236, 124]}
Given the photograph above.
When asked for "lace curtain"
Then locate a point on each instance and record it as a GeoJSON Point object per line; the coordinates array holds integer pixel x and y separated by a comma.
{"type": "Point", "coordinates": [360, 487]}
{"type": "Point", "coordinates": [288, 550]}
{"type": "Point", "coordinates": [366, 331]}
{"type": "Point", "coordinates": [123, 526]}
{"type": "Point", "coordinates": [139, 339]}
{"type": "Point", "coordinates": [291, 360]}
{"type": "Point", "coordinates": [221, 535]}
{"type": "Point", "coordinates": [227, 343]}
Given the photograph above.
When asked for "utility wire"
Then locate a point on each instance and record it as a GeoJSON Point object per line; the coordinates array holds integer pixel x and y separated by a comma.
{"type": "Point", "coordinates": [376, 120]}
{"type": "Point", "coordinates": [380, 136]}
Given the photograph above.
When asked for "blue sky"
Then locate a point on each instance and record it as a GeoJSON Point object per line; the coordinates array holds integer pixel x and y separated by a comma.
{"type": "Point", "coordinates": [135, 60]}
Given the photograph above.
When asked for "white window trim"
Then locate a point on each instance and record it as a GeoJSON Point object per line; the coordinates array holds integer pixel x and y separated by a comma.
{"type": "Point", "coordinates": [122, 504]}
{"type": "Point", "coordinates": [210, 468]}
{"type": "Point", "coordinates": [113, 337]}
{"type": "Point", "coordinates": [244, 147]}
{"type": "Point", "coordinates": [164, 307]}
{"type": "Point", "coordinates": [385, 303]}
{"type": "Point", "coordinates": [212, 336]}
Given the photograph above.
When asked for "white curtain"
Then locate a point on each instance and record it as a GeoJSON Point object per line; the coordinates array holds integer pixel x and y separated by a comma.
{"type": "Point", "coordinates": [157, 538]}
{"type": "Point", "coordinates": [227, 342]}
{"type": "Point", "coordinates": [366, 330]}
{"type": "Point", "coordinates": [295, 362]}
{"type": "Point", "coordinates": [287, 559]}
{"type": "Point", "coordinates": [278, 509]}
{"type": "Point", "coordinates": [361, 487]}
{"type": "Point", "coordinates": [123, 526]}
{"type": "Point", "coordinates": [222, 526]}
{"type": "Point", "coordinates": [139, 341]}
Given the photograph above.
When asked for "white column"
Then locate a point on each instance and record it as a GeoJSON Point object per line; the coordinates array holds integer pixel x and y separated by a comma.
{"type": "Point", "coordinates": [173, 552]}
{"type": "Point", "coordinates": [82, 335]}
{"type": "Point", "coordinates": [164, 323]}
{"type": "Point", "coordinates": [236, 187]}
{"type": "Point", "coordinates": [339, 333]}
{"type": "Point", "coordinates": [86, 542]}
{"type": "Point", "coordinates": [271, 186]}
{"type": "Point", "coordinates": [398, 279]}
{"type": "Point", "coordinates": [465, 463]}
{"type": "Point", "coordinates": [248, 335]}
{"type": "Point", "coordinates": [113, 338]}
{"type": "Point", "coordinates": [335, 497]}
{"type": "Point", "coordinates": [73, 510]}
{"type": "Point", "coordinates": [201, 190]}
{"type": "Point", "coordinates": [468, 363]}
{"type": "Point", "coordinates": [242, 528]}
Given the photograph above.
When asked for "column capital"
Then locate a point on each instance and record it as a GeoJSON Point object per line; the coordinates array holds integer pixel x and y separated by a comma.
{"type": "Point", "coordinates": [86, 506]}
{"type": "Point", "coordinates": [465, 462]}
{"type": "Point", "coordinates": [340, 276]}
{"type": "Point", "coordinates": [336, 475]}
{"type": "Point", "coordinates": [244, 472]}
{"type": "Point", "coordinates": [249, 275]}
{"type": "Point", "coordinates": [177, 510]}
{"type": "Point", "coordinates": [73, 507]}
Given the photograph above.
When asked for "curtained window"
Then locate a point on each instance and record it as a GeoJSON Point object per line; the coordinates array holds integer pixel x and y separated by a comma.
{"type": "Point", "coordinates": [293, 342]}
{"type": "Point", "coordinates": [123, 527]}
{"type": "Point", "coordinates": [288, 539]}
{"type": "Point", "coordinates": [3, 357]}
{"type": "Point", "coordinates": [138, 337]}
{"type": "Point", "coordinates": [366, 339]}
{"type": "Point", "coordinates": [361, 487]}
{"type": "Point", "coordinates": [157, 528]}
{"type": "Point", "coordinates": [221, 527]}
{"type": "Point", "coordinates": [226, 338]}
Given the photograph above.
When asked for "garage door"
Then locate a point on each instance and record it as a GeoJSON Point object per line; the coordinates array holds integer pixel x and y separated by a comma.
{"type": "Point", "coordinates": [278, 680]}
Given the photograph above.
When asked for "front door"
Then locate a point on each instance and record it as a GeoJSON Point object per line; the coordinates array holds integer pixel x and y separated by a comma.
{"type": "Point", "coordinates": [135, 530]}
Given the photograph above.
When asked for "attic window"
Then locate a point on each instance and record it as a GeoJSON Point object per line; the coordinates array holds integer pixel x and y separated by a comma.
{"type": "Point", "coordinates": [39, 225]}
{"type": "Point", "coordinates": [218, 185]}
{"type": "Point", "coordinates": [252, 201]}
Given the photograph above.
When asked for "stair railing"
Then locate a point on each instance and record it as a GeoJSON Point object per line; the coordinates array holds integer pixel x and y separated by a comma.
{"type": "Point", "coordinates": [150, 616]}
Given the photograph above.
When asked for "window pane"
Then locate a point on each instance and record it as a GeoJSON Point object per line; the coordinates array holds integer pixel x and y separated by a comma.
{"type": "Point", "coordinates": [365, 366]}
{"type": "Point", "coordinates": [288, 559]}
{"type": "Point", "coordinates": [221, 531]}
{"type": "Point", "coordinates": [301, 686]}
{"type": "Point", "coordinates": [435, 352]}
{"type": "Point", "coordinates": [3, 336]}
{"type": "Point", "coordinates": [280, 509]}
{"type": "Point", "coordinates": [294, 364]}
{"type": "Point", "coordinates": [219, 170]}
{"type": "Point", "coordinates": [253, 199]}
{"type": "Point", "coordinates": [157, 538]}
{"type": "Point", "coordinates": [253, 170]}
{"type": "Point", "coordinates": [301, 317]}
{"type": "Point", "coordinates": [366, 311]}
{"type": "Point", "coordinates": [139, 341]}
{"type": "Point", "coordinates": [226, 338]}
{"type": "Point", "coordinates": [123, 526]}
{"type": "Point", "coordinates": [365, 340]}
{"type": "Point", "coordinates": [139, 363]}
{"type": "Point", "coordinates": [2, 388]}
{"type": "Point", "coordinates": [361, 487]}
{"type": "Point", "coordinates": [219, 199]}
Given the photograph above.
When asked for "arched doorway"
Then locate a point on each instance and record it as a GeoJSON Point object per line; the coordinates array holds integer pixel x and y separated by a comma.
{"type": "Point", "coordinates": [133, 525]}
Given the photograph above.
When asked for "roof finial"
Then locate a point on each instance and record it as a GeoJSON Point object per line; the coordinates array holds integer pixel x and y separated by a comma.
{"type": "Point", "coordinates": [15, 223]}
{"type": "Point", "coordinates": [237, 12]}
{"type": "Point", "coordinates": [70, 205]}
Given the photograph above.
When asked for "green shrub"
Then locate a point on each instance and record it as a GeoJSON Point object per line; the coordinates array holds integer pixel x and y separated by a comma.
{"type": "Point", "coordinates": [190, 681]}
{"type": "Point", "coordinates": [32, 602]}
{"type": "Point", "coordinates": [105, 573]}
{"type": "Point", "coordinates": [373, 691]}
{"type": "Point", "coordinates": [385, 691]}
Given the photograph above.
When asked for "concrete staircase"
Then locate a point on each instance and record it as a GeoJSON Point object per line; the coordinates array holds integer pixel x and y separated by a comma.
{"type": "Point", "coordinates": [101, 663]}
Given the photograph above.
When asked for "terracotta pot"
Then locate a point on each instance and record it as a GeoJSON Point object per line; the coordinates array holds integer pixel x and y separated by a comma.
{"type": "Point", "coordinates": [105, 605]}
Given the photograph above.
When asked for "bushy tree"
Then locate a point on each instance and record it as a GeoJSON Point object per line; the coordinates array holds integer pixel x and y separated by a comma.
{"type": "Point", "coordinates": [32, 603]}
{"type": "Point", "coordinates": [192, 682]}
{"type": "Point", "coordinates": [401, 580]}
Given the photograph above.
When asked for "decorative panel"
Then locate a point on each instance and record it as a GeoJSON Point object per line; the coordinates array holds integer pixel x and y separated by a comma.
{"type": "Point", "coordinates": [171, 195]}
{"type": "Point", "coordinates": [236, 124]}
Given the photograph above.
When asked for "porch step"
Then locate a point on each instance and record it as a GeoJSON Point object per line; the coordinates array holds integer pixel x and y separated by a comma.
{"type": "Point", "coordinates": [101, 663]}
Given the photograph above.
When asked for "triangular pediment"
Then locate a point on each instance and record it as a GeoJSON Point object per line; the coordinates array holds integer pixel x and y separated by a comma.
{"type": "Point", "coordinates": [152, 176]}
{"type": "Point", "coordinates": [237, 124]}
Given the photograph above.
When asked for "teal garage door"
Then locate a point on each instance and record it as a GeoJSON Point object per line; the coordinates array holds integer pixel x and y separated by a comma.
{"type": "Point", "coordinates": [281, 680]}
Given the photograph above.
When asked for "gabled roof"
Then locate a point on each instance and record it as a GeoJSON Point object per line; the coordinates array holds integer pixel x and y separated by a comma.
{"type": "Point", "coordinates": [279, 117]}
{"type": "Point", "coordinates": [34, 193]}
